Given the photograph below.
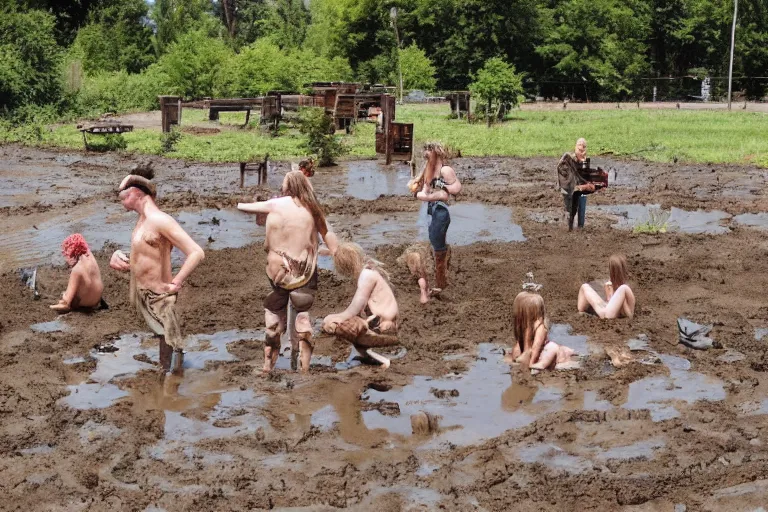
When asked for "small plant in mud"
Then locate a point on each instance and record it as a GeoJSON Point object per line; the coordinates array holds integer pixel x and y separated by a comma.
{"type": "Point", "coordinates": [658, 222]}
{"type": "Point", "coordinates": [168, 141]}
{"type": "Point", "coordinates": [321, 136]}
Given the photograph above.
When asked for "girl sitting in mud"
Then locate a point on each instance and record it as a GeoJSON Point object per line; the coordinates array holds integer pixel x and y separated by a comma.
{"type": "Point", "coordinates": [533, 348]}
{"type": "Point", "coordinates": [418, 259]}
{"type": "Point", "coordinates": [619, 298]}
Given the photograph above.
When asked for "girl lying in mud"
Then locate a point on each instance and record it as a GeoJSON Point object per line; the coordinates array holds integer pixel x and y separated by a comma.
{"type": "Point", "coordinates": [619, 298]}
{"type": "Point", "coordinates": [534, 349]}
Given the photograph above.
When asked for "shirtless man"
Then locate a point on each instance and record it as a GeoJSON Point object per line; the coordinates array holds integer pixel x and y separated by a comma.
{"type": "Point", "coordinates": [85, 287]}
{"type": "Point", "coordinates": [371, 319]}
{"type": "Point", "coordinates": [293, 222]}
{"type": "Point", "coordinates": [154, 289]}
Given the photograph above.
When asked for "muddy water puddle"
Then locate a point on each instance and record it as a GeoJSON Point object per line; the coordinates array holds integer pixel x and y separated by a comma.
{"type": "Point", "coordinates": [370, 179]}
{"type": "Point", "coordinates": [630, 216]}
{"type": "Point", "coordinates": [138, 352]}
{"type": "Point", "coordinates": [659, 394]}
{"type": "Point", "coordinates": [470, 223]}
{"type": "Point", "coordinates": [41, 243]}
{"type": "Point", "coordinates": [57, 325]}
{"type": "Point", "coordinates": [479, 404]}
{"type": "Point", "coordinates": [220, 229]}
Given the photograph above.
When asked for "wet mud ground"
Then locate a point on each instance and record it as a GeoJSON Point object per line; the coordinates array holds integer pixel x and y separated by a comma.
{"type": "Point", "coordinates": [88, 430]}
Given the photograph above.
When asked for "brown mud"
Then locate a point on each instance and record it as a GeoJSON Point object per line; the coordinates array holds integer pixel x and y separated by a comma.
{"type": "Point", "coordinates": [88, 430]}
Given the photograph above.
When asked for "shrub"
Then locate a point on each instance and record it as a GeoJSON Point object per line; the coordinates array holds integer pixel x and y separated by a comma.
{"type": "Point", "coordinates": [168, 141]}
{"type": "Point", "coordinates": [321, 138]}
{"type": "Point", "coordinates": [120, 91]}
{"type": "Point", "coordinates": [29, 58]}
{"type": "Point", "coordinates": [658, 222]}
{"type": "Point", "coordinates": [498, 87]}
{"type": "Point", "coordinates": [193, 64]}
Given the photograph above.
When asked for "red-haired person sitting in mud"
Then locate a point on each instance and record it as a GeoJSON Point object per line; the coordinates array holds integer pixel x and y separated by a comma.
{"type": "Point", "coordinates": [418, 259]}
{"type": "Point", "coordinates": [371, 319]}
{"type": "Point", "coordinates": [84, 288]}
{"type": "Point", "coordinates": [619, 298]}
{"type": "Point", "coordinates": [533, 348]}
{"type": "Point", "coordinates": [293, 222]}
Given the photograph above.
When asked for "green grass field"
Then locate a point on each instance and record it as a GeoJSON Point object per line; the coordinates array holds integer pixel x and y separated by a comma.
{"type": "Point", "coordinates": [655, 135]}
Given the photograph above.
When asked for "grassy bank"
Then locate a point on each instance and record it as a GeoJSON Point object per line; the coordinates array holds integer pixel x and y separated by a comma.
{"type": "Point", "coordinates": [655, 135]}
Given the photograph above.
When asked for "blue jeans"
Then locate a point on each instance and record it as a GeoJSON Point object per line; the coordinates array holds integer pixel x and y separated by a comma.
{"type": "Point", "coordinates": [582, 210]}
{"type": "Point", "coordinates": [438, 227]}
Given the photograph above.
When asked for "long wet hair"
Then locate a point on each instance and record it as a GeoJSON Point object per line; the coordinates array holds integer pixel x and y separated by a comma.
{"type": "Point", "coordinates": [617, 270]}
{"type": "Point", "coordinates": [527, 313]}
{"type": "Point", "coordinates": [350, 260]}
{"type": "Point", "coordinates": [297, 186]}
{"type": "Point", "coordinates": [418, 259]}
{"type": "Point", "coordinates": [427, 172]}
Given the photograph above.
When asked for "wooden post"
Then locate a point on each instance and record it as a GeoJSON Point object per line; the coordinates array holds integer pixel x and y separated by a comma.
{"type": "Point", "coordinates": [242, 174]}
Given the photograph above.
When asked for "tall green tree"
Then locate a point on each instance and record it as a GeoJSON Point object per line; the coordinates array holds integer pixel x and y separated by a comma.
{"type": "Point", "coordinates": [118, 37]}
{"type": "Point", "coordinates": [600, 43]}
{"type": "Point", "coordinates": [498, 87]}
{"type": "Point", "coordinates": [173, 18]}
{"type": "Point", "coordinates": [193, 64]}
{"type": "Point", "coordinates": [418, 70]}
{"type": "Point", "coordinates": [29, 59]}
{"type": "Point", "coordinates": [460, 35]}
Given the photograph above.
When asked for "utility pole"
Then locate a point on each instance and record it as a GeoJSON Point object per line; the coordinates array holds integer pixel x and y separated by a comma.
{"type": "Point", "coordinates": [393, 17]}
{"type": "Point", "coordinates": [733, 44]}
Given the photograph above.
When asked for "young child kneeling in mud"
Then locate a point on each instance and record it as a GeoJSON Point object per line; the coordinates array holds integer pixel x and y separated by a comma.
{"type": "Point", "coordinates": [534, 349]}
{"type": "Point", "coordinates": [371, 319]}
{"type": "Point", "coordinates": [619, 297]}
{"type": "Point", "coordinates": [418, 259]}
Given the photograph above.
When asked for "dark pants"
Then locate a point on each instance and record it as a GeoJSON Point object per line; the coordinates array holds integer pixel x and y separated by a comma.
{"type": "Point", "coordinates": [578, 209]}
{"type": "Point", "coordinates": [438, 227]}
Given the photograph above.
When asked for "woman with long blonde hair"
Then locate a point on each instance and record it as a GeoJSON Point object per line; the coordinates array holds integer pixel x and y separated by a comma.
{"type": "Point", "coordinates": [619, 297]}
{"type": "Point", "coordinates": [534, 349]}
{"type": "Point", "coordinates": [435, 184]}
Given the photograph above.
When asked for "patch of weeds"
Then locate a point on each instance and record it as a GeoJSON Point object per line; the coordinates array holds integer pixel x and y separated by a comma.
{"type": "Point", "coordinates": [169, 140]}
{"type": "Point", "coordinates": [658, 222]}
{"type": "Point", "coordinates": [321, 138]}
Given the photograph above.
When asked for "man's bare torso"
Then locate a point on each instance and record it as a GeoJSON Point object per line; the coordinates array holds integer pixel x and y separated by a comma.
{"type": "Point", "coordinates": [291, 230]}
{"type": "Point", "coordinates": [150, 255]}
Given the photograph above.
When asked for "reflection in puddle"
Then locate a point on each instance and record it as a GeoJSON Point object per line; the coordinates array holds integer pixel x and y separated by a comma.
{"type": "Point", "coordinates": [211, 228]}
{"type": "Point", "coordinates": [760, 333]}
{"type": "Point", "coordinates": [655, 393]}
{"type": "Point", "coordinates": [561, 334]}
{"type": "Point", "coordinates": [201, 348]}
{"type": "Point", "coordinates": [476, 413]}
{"type": "Point", "coordinates": [136, 352]}
{"type": "Point", "coordinates": [238, 412]}
{"type": "Point", "coordinates": [92, 396]}
{"type": "Point", "coordinates": [370, 179]}
{"type": "Point", "coordinates": [557, 459]}
{"type": "Point", "coordinates": [692, 222]}
{"type": "Point", "coordinates": [639, 450]}
{"type": "Point", "coordinates": [470, 223]}
{"type": "Point", "coordinates": [53, 326]}
{"type": "Point", "coordinates": [554, 458]}
{"type": "Point", "coordinates": [753, 220]}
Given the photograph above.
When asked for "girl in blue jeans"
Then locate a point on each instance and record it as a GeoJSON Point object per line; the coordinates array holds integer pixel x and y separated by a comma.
{"type": "Point", "coordinates": [436, 183]}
